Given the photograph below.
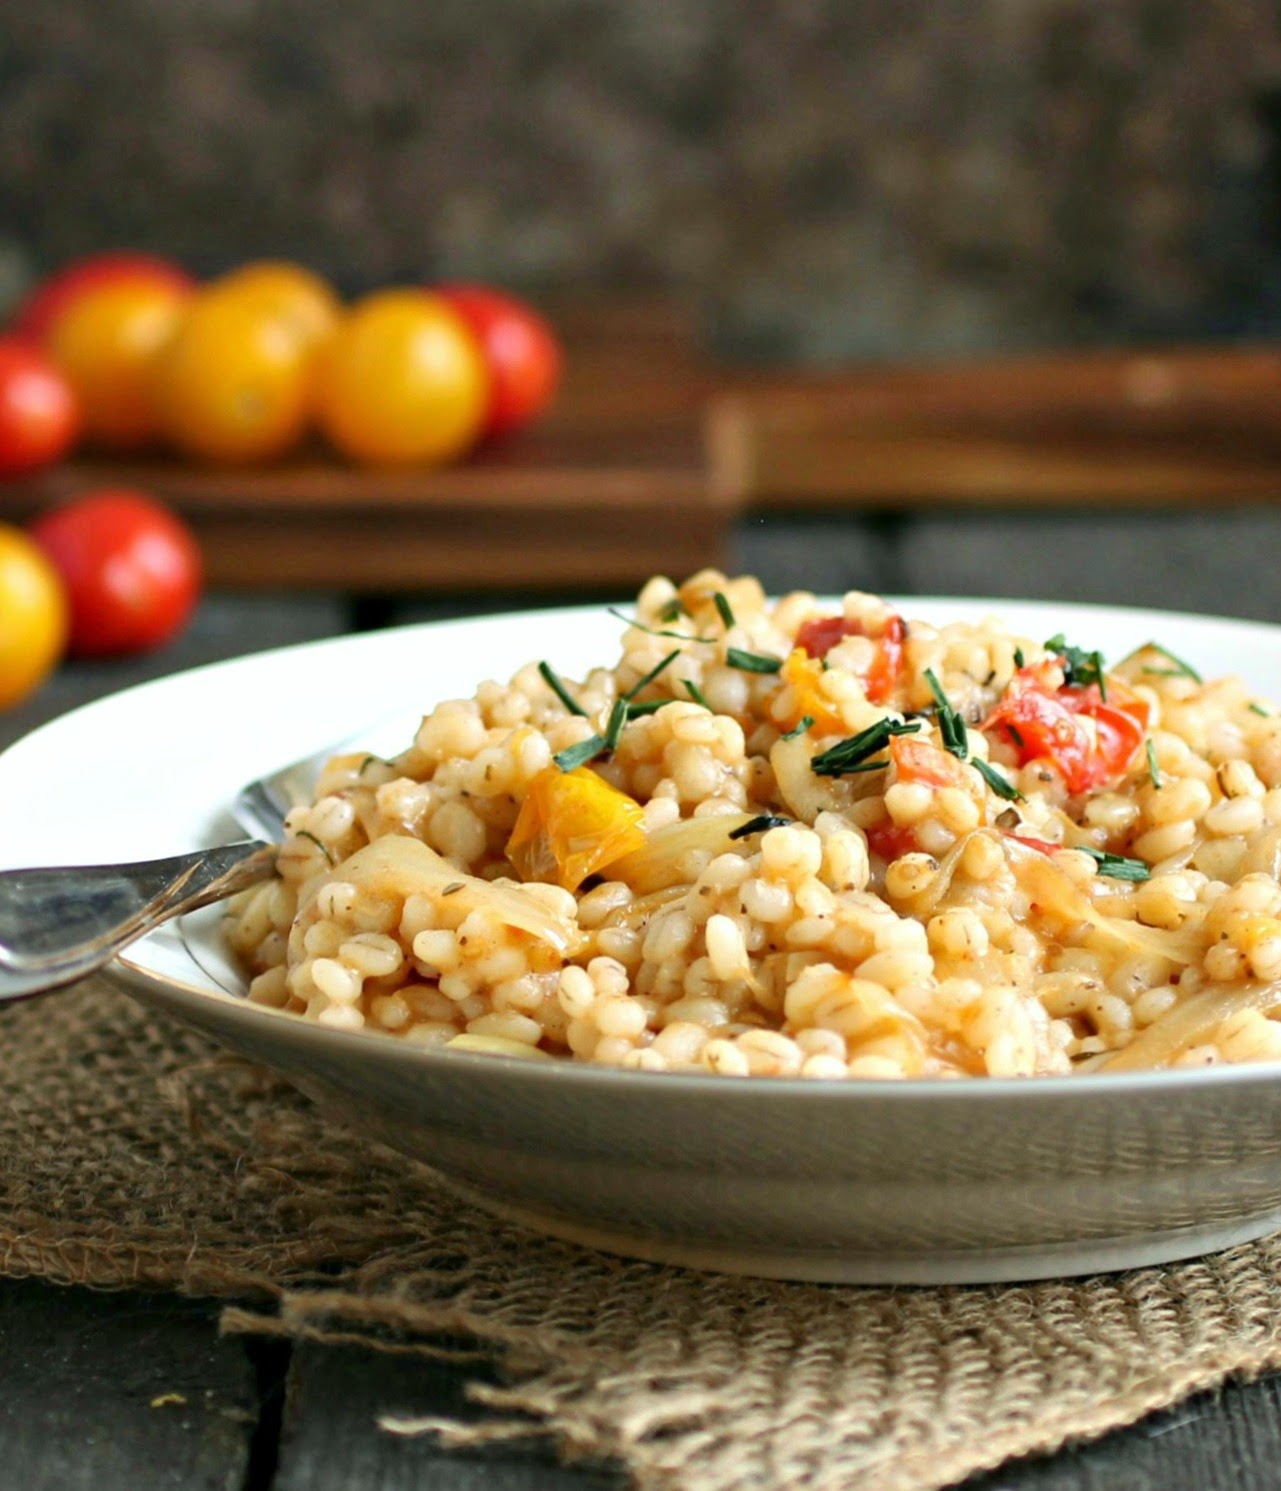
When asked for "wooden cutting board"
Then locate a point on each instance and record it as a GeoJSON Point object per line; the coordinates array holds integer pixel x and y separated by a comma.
{"type": "Point", "coordinates": [610, 488]}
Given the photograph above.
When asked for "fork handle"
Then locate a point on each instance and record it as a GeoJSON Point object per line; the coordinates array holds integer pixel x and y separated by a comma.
{"type": "Point", "coordinates": [60, 923]}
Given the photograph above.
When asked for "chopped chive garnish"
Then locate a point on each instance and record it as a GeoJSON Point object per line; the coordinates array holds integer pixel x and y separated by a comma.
{"type": "Point", "coordinates": [752, 662]}
{"type": "Point", "coordinates": [614, 726]}
{"type": "Point", "coordinates": [306, 833]}
{"type": "Point", "coordinates": [652, 631]}
{"type": "Point", "coordinates": [850, 754]}
{"type": "Point", "coordinates": [723, 606]}
{"type": "Point", "coordinates": [1180, 668]}
{"type": "Point", "coordinates": [696, 694]}
{"type": "Point", "coordinates": [578, 755]}
{"type": "Point", "coordinates": [997, 782]}
{"type": "Point", "coordinates": [646, 706]}
{"type": "Point", "coordinates": [671, 610]}
{"type": "Point", "coordinates": [366, 764]}
{"type": "Point", "coordinates": [1258, 709]}
{"type": "Point", "coordinates": [1079, 667]}
{"type": "Point", "coordinates": [758, 825]}
{"type": "Point", "coordinates": [1117, 866]}
{"type": "Point", "coordinates": [951, 725]}
{"type": "Point", "coordinates": [652, 675]}
{"type": "Point", "coordinates": [452, 888]}
{"type": "Point", "coordinates": [561, 692]}
{"type": "Point", "coordinates": [799, 729]}
{"type": "Point", "coordinates": [1019, 660]}
{"type": "Point", "coordinates": [1013, 732]}
{"type": "Point", "coordinates": [1153, 770]}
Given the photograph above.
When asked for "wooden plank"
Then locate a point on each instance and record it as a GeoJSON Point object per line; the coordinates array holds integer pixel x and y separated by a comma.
{"type": "Point", "coordinates": [539, 530]}
{"type": "Point", "coordinates": [331, 1441]}
{"type": "Point", "coordinates": [1207, 393]}
{"type": "Point", "coordinates": [310, 528]}
{"type": "Point", "coordinates": [1138, 427]}
{"type": "Point", "coordinates": [85, 1409]}
{"type": "Point", "coordinates": [1228, 1441]}
{"type": "Point", "coordinates": [113, 1392]}
{"type": "Point", "coordinates": [1214, 1442]}
{"type": "Point", "coordinates": [618, 540]}
{"type": "Point", "coordinates": [762, 459]}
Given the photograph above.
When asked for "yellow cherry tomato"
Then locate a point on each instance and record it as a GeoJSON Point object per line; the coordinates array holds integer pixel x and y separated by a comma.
{"type": "Point", "coordinates": [106, 342]}
{"type": "Point", "coordinates": [33, 616]}
{"type": "Point", "coordinates": [402, 381]}
{"type": "Point", "coordinates": [231, 385]}
{"type": "Point", "coordinates": [300, 298]}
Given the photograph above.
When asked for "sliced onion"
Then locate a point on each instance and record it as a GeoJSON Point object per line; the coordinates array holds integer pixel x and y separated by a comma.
{"type": "Point", "coordinates": [396, 866]}
{"type": "Point", "coordinates": [1190, 1024]}
{"type": "Point", "coordinates": [643, 907]}
{"type": "Point", "coordinates": [658, 865]}
{"type": "Point", "coordinates": [922, 905]}
{"type": "Point", "coordinates": [806, 794]}
{"type": "Point", "coordinates": [1056, 892]}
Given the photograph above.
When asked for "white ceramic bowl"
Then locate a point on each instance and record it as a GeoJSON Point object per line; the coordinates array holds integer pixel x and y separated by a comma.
{"type": "Point", "coordinates": [911, 1182]}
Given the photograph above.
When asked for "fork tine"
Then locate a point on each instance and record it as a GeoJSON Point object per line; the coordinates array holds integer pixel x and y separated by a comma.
{"type": "Point", "coordinates": [260, 806]}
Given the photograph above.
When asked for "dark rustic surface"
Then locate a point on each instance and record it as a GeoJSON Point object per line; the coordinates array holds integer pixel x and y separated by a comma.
{"type": "Point", "coordinates": [80, 1374]}
{"type": "Point", "coordinates": [104, 1391]}
{"type": "Point", "coordinates": [92, 1383]}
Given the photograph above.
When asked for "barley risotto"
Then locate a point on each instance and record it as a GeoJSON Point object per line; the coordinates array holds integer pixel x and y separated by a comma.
{"type": "Point", "coordinates": [786, 839]}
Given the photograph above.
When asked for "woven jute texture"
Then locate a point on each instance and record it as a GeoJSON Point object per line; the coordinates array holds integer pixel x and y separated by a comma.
{"type": "Point", "coordinates": [134, 1154]}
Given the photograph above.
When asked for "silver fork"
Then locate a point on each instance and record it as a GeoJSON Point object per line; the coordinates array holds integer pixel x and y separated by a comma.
{"type": "Point", "coordinates": [58, 924]}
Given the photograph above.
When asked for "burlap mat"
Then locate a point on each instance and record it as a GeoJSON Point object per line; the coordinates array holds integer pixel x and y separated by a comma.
{"type": "Point", "coordinates": [133, 1154]}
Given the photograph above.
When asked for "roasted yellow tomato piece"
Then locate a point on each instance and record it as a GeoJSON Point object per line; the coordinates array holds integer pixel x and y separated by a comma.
{"type": "Point", "coordinates": [805, 674]}
{"type": "Point", "coordinates": [573, 823]}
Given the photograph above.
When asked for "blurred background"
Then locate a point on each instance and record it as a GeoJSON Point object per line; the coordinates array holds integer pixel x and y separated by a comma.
{"type": "Point", "coordinates": [754, 192]}
{"type": "Point", "coordinates": [821, 180]}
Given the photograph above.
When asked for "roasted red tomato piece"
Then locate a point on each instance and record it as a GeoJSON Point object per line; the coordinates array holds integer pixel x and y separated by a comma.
{"type": "Point", "coordinates": [1043, 725]}
{"type": "Point", "coordinates": [1042, 846]}
{"type": "Point", "coordinates": [891, 841]}
{"type": "Point", "coordinates": [818, 636]}
{"type": "Point", "coordinates": [919, 761]}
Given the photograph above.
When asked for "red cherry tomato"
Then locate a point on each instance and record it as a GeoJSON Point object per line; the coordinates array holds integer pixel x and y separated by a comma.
{"type": "Point", "coordinates": [131, 569]}
{"type": "Point", "coordinates": [39, 415]}
{"type": "Point", "coordinates": [521, 351]}
{"type": "Point", "coordinates": [41, 306]}
{"type": "Point", "coordinates": [818, 636]}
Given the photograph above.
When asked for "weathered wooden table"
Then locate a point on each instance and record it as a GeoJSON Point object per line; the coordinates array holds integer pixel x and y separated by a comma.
{"type": "Point", "coordinates": [124, 1391]}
